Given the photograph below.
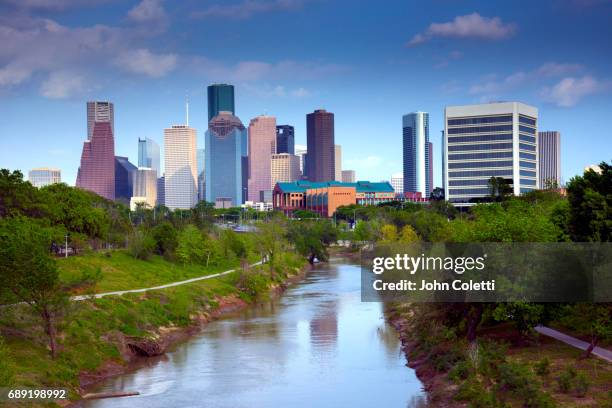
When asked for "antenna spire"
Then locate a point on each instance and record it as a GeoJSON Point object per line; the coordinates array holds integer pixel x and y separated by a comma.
{"type": "Point", "coordinates": [187, 109]}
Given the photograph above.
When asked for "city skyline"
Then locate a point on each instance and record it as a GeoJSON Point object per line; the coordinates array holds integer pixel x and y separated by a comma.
{"type": "Point", "coordinates": [422, 61]}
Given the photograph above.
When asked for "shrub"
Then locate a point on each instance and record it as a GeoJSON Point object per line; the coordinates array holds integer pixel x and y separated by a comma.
{"type": "Point", "coordinates": [460, 371]}
{"type": "Point", "coordinates": [515, 376]}
{"type": "Point", "coordinates": [253, 283]}
{"type": "Point", "coordinates": [542, 367]}
{"type": "Point", "coordinates": [190, 245]}
{"type": "Point", "coordinates": [566, 379]}
{"type": "Point", "coordinates": [581, 385]}
{"type": "Point", "coordinates": [141, 245]}
{"type": "Point", "coordinates": [166, 238]}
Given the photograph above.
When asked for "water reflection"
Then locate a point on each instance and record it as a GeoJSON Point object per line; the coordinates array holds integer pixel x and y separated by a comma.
{"type": "Point", "coordinates": [318, 345]}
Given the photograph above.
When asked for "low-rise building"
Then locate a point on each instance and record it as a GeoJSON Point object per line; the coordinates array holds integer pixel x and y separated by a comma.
{"type": "Point", "coordinates": [325, 197]}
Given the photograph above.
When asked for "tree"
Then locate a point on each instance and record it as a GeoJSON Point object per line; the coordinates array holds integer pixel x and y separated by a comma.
{"type": "Point", "coordinates": [388, 233]}
{"type": "Point", "coordinates": [408, 235]}
{"type": "Point", "coordinates": [311, 238]}
{"type": "Point", "coordinates": [590, 201]}
{"type": "Point", "coordinates": [30, 274]}
{"type": "Point", "coordinates": [437, 194]}
{"type": "Point", "coordinates": [590, 319]}
{"type": "Point", "coordinates": [190, 245]}
{"type": "Point", "coordinates": [166, 238]}
{"type": "Point", "coordinates": [499, 188]}
{"type": "Point", "coordinates": [142, 244]}
{"type": "Point", "coordinates": [271, 238]}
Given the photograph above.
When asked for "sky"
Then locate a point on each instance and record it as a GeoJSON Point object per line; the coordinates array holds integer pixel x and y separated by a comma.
{"type": "Point", "coordinates": [368, 62]}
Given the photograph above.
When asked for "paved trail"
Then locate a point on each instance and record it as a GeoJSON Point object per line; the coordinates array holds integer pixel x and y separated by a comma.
{"type": "Point", "coordinates": [167, 285]}
{"type": "Point", "coordinates": [600, 352]}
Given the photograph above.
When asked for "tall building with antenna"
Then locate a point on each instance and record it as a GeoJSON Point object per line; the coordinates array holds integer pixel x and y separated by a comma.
{"type": "Point", "coordinates": [180, 163]}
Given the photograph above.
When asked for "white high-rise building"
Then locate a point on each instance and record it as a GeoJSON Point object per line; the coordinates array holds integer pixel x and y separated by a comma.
{"type": "Point", "coordinates": [145, 187]}
{"type": "Point", "coordinates": [417, 155]}
{"type": "Point", "coordinates": [397, 182]}
{"type": "Point", "coordinates": [300, 151]}
{"type": "Point", "coordinates": [181, 169]}
{"type": "Point", "coordinates": [489, 140]}
{"type": "Point", "coordinates": [44, 176]}
{"type": "Point", "coordinates": [285, 167]}
{"type": "Point", "coordinates": [338, 161]}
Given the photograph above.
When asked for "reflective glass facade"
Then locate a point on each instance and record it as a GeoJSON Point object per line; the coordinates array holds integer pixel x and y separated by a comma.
{"type": "Point", "coordinates": [220, 98]}
{"type": "Point", "coordinates": [417, 154]}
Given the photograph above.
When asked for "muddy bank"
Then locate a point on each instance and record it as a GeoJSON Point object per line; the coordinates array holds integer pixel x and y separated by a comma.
{"type": "Point", "coordinates": [440, 391]}
{"type": "Point", "coordinates": [138, 352]}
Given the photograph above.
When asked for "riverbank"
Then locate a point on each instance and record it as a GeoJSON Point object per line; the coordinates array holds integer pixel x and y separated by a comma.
{"type": "Point", "coordinates": [101, 338]}
{"type": "Point", "coordinates": [497, 371]}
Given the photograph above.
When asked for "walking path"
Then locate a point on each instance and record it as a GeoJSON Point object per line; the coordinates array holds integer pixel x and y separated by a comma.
{"type": "Point", "coordinates": [600, 352]}
{"type": "Point", "coordinates": [167, 285]}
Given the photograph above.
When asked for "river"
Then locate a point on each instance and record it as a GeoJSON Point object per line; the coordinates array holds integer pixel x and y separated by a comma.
{"type": "Point", "coordinates": [317, 345]}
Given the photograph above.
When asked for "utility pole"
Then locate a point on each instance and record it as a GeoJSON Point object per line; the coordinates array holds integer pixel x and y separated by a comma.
{"type": "Point", "coordinates": [66, 255]}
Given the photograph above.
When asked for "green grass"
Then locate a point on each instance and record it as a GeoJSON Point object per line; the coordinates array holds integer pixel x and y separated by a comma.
{"type": "Point", "coordinates": [120, 271]}
{"type": "Point", "coordinates": [86, 333]}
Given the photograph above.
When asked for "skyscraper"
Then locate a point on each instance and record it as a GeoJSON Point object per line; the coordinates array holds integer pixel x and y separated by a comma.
{"type": "Point", "coordinates": [320, 160]}
{"type": "Point", "coordinates": [226, 159]}
{"type": "Point", "coordinates": [285, 139]}
{"type": "Point", "coordinates": [338, 162]}
{"type": "Point", "coordinates": [262, 145]}
{"type": "Point", "coordinates": [348, 176]}
{"type": "Point", "coordinates": [285, 167]}
{"type": "Point", "coordinates": [489, 140]}
{"type": "Point", "coordinates": [416, 153]}
{"type": "Point", "coordinates": [97, 170]}
{"type": "Point", "coordinates": [181, 173]}
{"type": "Point", "coordinates": [148, 155]}
{"type": "Point", "coordinates": [99, 112]}
{"type": "Point", "coordinates": [44, 176]}
{"type": "Point", "coordinates": [145, 188]}
{"type": "Point", "coordinates": [124, 179]}
{"type": "Point", "coordinates": [549, 151]}
{"type": "Point", "coordinates": [300, 151]}
{"type": "Point", "coordinates": [201, 159]}
{"type": "Point", "coordinates": [397, 182]}
{"type": "Point", "coordinates": [220, 98]}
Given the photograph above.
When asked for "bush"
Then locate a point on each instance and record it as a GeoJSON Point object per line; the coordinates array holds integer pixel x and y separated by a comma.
{"type": "Point", "coordinates": [515, 376]}
{"type": "Point", "coordinates": [166, 238]}
{"type": "Point", "coordinates": [141, 245]}
{"type": "Point", "coordinates": [460, 371]}
{"type": "Point", "coordinates": [542, 367]}
{"type": "Point", "coordinates": [581, 385]}
{"type": "Point", "coordinates": [190, 245]}
{"type": "Point", "coordinates": [566, 379]}
{"type": "Point", "coordinates": [253, 283]}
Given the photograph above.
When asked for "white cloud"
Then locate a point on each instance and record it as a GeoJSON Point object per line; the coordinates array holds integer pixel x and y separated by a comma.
{"type": "Point", "coordinates": [143, 61]}
{"type": "Point", "coordinates": [147, 10]}
{"type": "Point", "coordinates": [61, 85]}
{"type": "Point", "coordinates": [301, 93]}
{"type": "Point", "coordinates": [246, 9]}
{"type": "Point", "coordinates": [259, 70]}
{"type": "Point", "coordinates": [569, 91]}
{"type": "Point", "coordinates": [468, 26]}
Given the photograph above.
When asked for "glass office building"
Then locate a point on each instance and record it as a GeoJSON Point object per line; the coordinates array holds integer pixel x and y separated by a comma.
{"type": "Point", "coordinates": [418, 174]}
{"type": "Point", "coordinates": [226, 160]}
{"type": "Point", "coordinates": [489, 140]}
{"type": "Point", "coordinates": [148, 155]}
{"type": "Point", "coordinates": [220, 98]}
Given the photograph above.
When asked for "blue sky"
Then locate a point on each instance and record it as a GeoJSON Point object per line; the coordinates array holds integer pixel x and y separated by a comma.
{"type": "Point", "coordinates": [369, 62]}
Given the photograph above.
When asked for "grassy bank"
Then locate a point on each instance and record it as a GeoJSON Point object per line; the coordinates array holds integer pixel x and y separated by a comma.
{"type": "Point", "coordinates": [498, 370]}
{"type": "Point", "coordinates": [118, 270]}
{"type": "Point", "coordinates": [94, 333]}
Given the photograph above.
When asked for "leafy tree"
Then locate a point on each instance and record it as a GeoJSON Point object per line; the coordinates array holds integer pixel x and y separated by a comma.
{"type": "Point", "coordinates": [190, 245]}
{"type": "Point", "coordinates": [499, 188]}
{"type": "Point", "coordinates": [388, 233]}
{"type": "Point", "coordinates": [590, 201]}
{"type": "Point", "coordinates": [437, 194]}
{"type": "Point", "coordinates": [305, 214]}
{"type": "Point", "coordinates": [232, 244]}
{"type": "Point", "coordinates": [19, 197]}
{"type": "Point", "coordinates": [271, 238]}
{"type": "Point", "coordinates": [408, 235]}
{"type": "Point", "coordinates": [590, 319]}
{"type": "Point", "coordinates": [166, 238]}
{"type": "Point", "coordinates": [311, 238]}
{"type": "Point", "coordinates": [30, 274]}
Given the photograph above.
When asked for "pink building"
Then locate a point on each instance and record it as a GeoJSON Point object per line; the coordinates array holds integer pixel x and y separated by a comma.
{"type": "Point", "coordinates": [262, 145]}
{"type": "Point", "coordinates": [97, 170]}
